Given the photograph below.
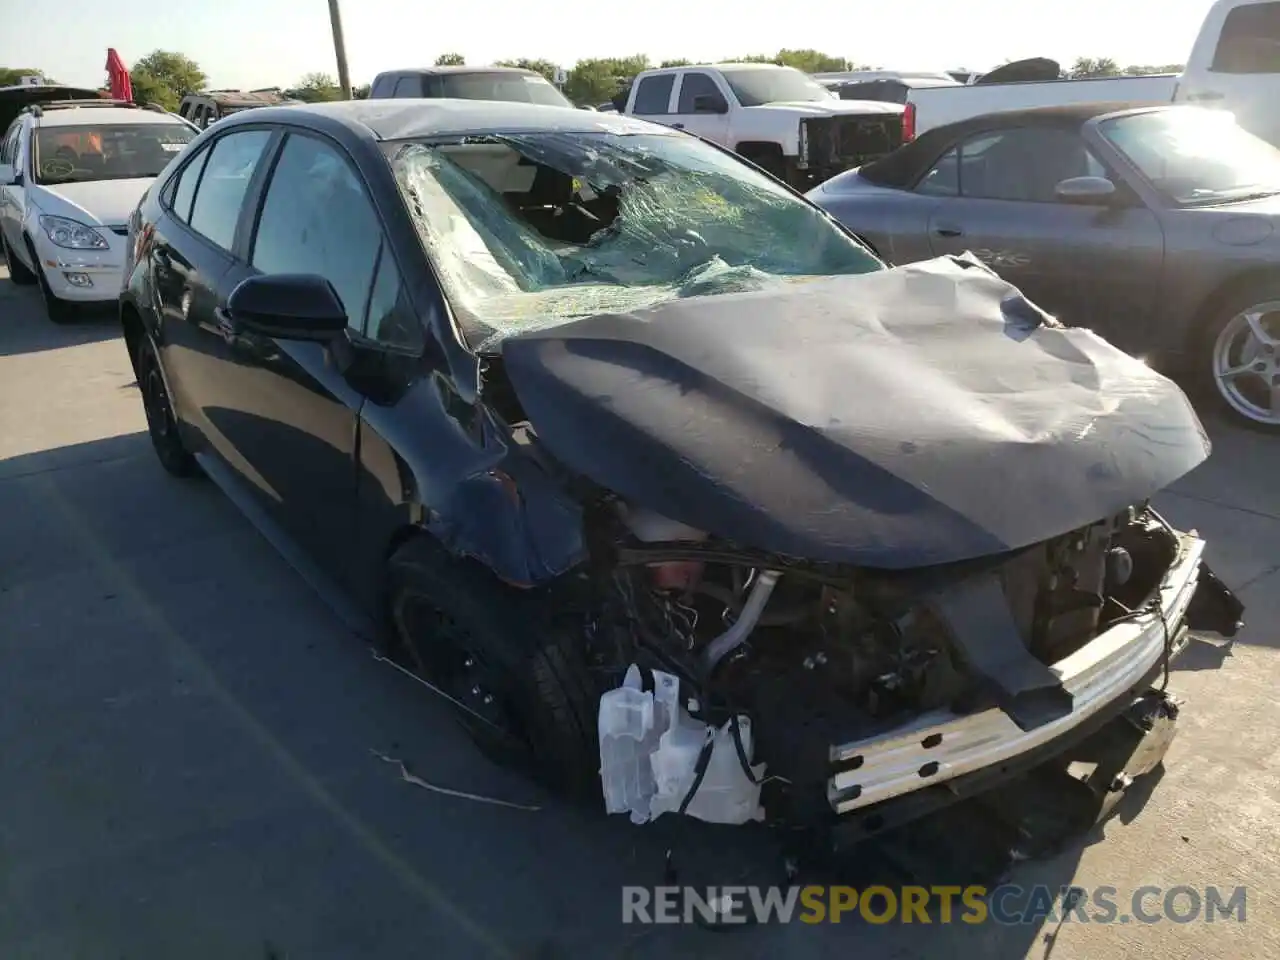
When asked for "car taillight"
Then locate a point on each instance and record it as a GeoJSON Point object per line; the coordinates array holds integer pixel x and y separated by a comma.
{"type": "Point", "coordinates": [909, 123]}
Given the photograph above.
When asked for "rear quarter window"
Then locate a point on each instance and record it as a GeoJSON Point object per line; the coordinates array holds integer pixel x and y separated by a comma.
{"type": "Point", "coordinates": [1250, 40]}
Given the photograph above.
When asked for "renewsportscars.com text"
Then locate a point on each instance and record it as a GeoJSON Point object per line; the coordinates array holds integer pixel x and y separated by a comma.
{"type": "Point", "coordinates": [1007, 904]}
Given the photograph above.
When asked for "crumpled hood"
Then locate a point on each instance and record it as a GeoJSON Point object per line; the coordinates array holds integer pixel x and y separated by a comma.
{"type": "Point", "coordinates": [829, 108]}
{"type": "Point", "coordinates": [96, 202]}
{"type": "Point", "coordinates": [920, 415]}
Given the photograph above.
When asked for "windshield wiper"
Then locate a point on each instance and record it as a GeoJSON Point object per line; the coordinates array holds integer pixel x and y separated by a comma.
{"type": "Point", "coordinates": [1240, 197]}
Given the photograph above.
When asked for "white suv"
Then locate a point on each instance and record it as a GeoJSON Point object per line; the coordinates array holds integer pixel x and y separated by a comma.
{"type": "Point", "coordinates": [70, 175]}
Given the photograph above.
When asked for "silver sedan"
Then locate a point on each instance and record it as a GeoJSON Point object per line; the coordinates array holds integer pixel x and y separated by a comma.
{"type": "Point", "coordinates": [1156, 227]}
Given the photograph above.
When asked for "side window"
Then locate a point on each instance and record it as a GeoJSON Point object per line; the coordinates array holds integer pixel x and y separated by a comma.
{"type": "Point", "coordinates": [222, 187]}
{"type": "Point", "coordinates": [391, 320]}
{"type": "Point", "coordinates": [653, 96]}
{"type": "Point", "coordinates": [184, 189]}
{"type": "Point", "coordinates": [1250, 40]}
{"type": "Point", "coordinates": [317, 218]}
{"type": "Point", "coordinates": [410, 86]}
{"type": "Point", "coordinates": [944, 179]}
{"type": "Point", "coordinates": [9, 146]}
{"type": "Point", "coordinates": [1022, 163]}
{"type": "Point", "coordinates": [695, 85]}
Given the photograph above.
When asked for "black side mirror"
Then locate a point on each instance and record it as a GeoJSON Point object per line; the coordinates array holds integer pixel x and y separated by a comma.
{"type": "Point", "coordinates": [288, 306]}
{"type": "Point", "coordinates": [709, 103]}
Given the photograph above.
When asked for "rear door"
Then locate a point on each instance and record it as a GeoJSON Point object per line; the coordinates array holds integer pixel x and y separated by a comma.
{"type": "Point", "coordinates": [1089, 265]}
{"type": "Point", "coordinates": [654, 98]}
{"type": "Point", "coordinates": [1236, 65]}
{"type": "Point", "coordinates": [189, 259]}
{"type": "Point", "coordinates": [697, 88]}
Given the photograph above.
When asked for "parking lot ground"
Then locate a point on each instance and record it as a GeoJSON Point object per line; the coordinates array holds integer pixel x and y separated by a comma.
{"type": "Point", "coordinates": [190, 741]}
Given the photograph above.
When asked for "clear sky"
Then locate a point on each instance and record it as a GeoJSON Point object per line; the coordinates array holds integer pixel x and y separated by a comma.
{"type": "Point", "coordinates": [257, 43]}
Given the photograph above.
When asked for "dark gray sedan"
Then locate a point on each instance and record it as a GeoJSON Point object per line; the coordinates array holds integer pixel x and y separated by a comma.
{"type": "Point", "coordinates": [1154, 226]}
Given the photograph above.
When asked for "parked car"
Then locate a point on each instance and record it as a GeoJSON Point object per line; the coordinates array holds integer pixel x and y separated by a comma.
{"type": "Point", "coordinates": [71, 172]}
{"type": "Point", "coordinates": [553, 393]}
{"type": "Point", "coordinates": [513, 84]}
{"type": "Point", "coordinates": [1233, 64]}
{"type": "Point", "coordinates": [782, 120]}
{"type": "Point", "coordinates": [210, 106]}
{"type": "Point", "coordinates": [1157, 227]}
{"type": "Point", "coordinates": [14, 99]}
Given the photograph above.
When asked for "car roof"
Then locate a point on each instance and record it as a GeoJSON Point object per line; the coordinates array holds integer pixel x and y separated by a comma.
{"type": "Point", "coordinates": [462, 69]}
{"type": "Point", "coordinates": [101, 116]}
{"type": "Point", "coordinates": [910, 162]}
{"type": "Point", "coordinates": [413, 118]}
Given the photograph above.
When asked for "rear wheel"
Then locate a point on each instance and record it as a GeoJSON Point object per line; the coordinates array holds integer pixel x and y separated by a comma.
{"type": "Point", "coordinates": [518, 682]}
{"type": "Point", "coordinates": [162, 425]}
{"type": "Point", "coordinates": [18, 272]}
{"type": "Point", "coordinates": [1239, 356]}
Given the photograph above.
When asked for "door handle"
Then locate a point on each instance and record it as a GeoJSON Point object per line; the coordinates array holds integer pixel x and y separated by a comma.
{"type": "Point", "coordinates": [227, 325]}
{"type": "Point", "coordinates": [947, 230]}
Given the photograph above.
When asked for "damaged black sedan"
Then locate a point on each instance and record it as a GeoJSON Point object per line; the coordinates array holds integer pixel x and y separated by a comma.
{"type": "Point", "coordinates": [673, 490]}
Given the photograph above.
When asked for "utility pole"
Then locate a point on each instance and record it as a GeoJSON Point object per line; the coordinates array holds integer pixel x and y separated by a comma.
{"type": "Point", "coordinates": [340, 49]}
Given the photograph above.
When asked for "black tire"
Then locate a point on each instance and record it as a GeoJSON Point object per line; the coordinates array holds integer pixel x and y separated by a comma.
{"type": "Point", "coordinates": [1226, 342]}
{"type": "Point", "coordinates": [19, 275]}
{"type": "Point", "coordinates": [507, 642]}
{"type": "Point", "coordinates": [161, 423]}
{"type": "Point", "coordinates": [58, 311]}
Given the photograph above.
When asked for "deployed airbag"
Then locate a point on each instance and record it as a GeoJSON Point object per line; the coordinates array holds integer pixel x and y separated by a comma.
{"type": "Point", "coordinates": [920, 415]}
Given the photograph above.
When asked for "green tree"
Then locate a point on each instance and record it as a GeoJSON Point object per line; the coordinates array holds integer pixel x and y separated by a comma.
{"type": "Point", "coordinates": [811, 61]}
{"type": "Point", "coordinates": [361, 92]}
{"type": "Point", "coordinates": [317, 88]}
{"type": "Point", "coordinates": [544, 67]}
{"type": "Point", "coordinates": [1085, 67]}
{"type": "Point", "coordinates": [1143, 71]}
{"type": "Point", "coordinates": [9, 76]}
{"type": "Point", "coordinates": [451, 60]}
{"type": "Point", "coordinates": [752, 58]}
{"type": "Point", "coordinates": [674, 63]}
{"type": "Point", "coordinates": [598, 79]}
{"type": "Point", "coordinates": [165, 77]}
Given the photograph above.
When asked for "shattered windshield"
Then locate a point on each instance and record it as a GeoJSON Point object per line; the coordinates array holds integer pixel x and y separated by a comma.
{"type": "Point", "coordinates": [756, 86]}
{"type": "Point", "coordinates": [532, 230]}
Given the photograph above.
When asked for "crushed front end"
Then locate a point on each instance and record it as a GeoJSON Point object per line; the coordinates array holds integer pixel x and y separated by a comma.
{"type": "Point", "coordinates": [864, 688]}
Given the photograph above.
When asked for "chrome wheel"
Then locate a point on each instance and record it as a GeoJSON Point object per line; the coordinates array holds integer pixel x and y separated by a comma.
{"type": "Point", "coordinates": [1246, 363]}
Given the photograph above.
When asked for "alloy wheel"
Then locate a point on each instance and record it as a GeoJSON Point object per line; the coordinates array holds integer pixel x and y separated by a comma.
{"type": "Point", "coordinates": [1246, 363]}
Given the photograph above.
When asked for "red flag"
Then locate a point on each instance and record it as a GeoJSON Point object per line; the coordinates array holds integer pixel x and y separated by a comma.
{"type": "Point", "coordinates": [118, 76]}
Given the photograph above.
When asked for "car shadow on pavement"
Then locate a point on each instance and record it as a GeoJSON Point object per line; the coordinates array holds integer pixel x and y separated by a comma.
{"type": "Point", "coordinates": [92, 325]}
{"type": "Point", "coordinates": [202, 753]}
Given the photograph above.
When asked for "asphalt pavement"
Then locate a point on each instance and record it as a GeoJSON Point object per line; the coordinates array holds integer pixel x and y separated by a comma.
{"type": "Point", "coordinates": [195, 754]}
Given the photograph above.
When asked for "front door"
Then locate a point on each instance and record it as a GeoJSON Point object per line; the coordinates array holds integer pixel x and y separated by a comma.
{"type": "Point", "coordinates": [13, 195]}
{"type": "Point", "coordinates": [290, 410]}
{"type": "Point", "coordinates": [702, 107]}
{"type": "Point", "coordinates": [1087, 265]}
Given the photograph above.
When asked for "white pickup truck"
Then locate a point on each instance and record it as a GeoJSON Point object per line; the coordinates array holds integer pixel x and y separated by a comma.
{"type": "Point", "coordinates": [929, 107]}
{"type": "Point", "coordinates": [777, 117]}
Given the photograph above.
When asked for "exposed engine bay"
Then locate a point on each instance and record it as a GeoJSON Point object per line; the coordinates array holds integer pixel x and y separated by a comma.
{"type": "Point", "coordinates": [817, 654]}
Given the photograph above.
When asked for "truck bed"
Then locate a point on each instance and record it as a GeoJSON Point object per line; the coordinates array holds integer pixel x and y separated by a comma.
{"type": "Point", "coordinates": [937, 106]}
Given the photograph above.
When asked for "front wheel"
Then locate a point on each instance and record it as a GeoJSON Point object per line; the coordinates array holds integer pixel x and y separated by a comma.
{"type": "Point", "coordinates": [19, 275]}
{"type": "Point", "coordinates": [518, 683]}
{"type": "Point", "coordinates": [57, 310]}
{"type": "Point", "coordinates": [1240, 356]}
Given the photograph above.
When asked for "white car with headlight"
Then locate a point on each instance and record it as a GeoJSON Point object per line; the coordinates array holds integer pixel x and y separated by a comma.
{"type": "Point", "coordinates": [71, 173]}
